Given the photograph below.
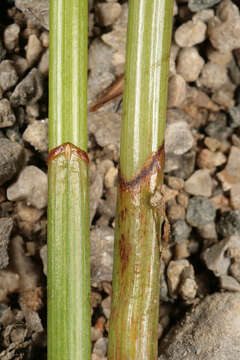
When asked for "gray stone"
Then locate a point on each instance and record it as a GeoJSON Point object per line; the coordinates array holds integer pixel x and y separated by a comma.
{"type": "Point", "coordinates": [35, 10]}
{"type": "Point", "coordinates": [200, 211]}
{"type": "Point", "coordinates": [7, 117]}
{"type": "Point", "coordinates": [197, 5]}
{"type": "Point", "coordinates": [30, 186]}
{"type": "Point", "coordinates": [6, 225]}
{"type": "Point", "coordinates": [215, 257]}
{"type": "Point", "coordinates": [106, 129]}
{"type": "Point", "coordinates": [36, 134]}
{"type": "Point", "coordinates": [210, 331]}
{"type": "Point", "coordinates": [186, 165]}
{"type": "Point", "coordinates": [101, 241]}
{"type": "Point", "coordinates": [218, 129]}
{"type": "Point", "coordinates": [11, 159]}
{"type": "Point", "coordinates": [229, 223]}
{"type": "Point", "coordinates": [29, 90]}
{"type": "Point", "coordinates": [8, 75]}
{"type": "Point", "coordinates": [235, 117]}
{"type": "Point", "coordinates": [180, 231]}
{"type": "Point", "coordinates": [200, 183]}
{"type": "Point", "coordinates": [190, 33]}
{"type": "Point", "coordinates": [229, 283]}
{"type": "Point", "coordinates": [178, 138]}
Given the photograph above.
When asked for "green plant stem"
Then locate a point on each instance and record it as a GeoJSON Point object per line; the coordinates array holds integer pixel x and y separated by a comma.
{"type": "Point", "coordinates": [140, 204]}
{"type": "Point", "coordinates": [69, 317]}
{"type": "Point", "coordinates": [68, 73]}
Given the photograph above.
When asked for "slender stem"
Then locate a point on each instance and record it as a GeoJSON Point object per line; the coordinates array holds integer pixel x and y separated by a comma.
{"type": "Point", "coordinates": [68, 73]}
{"type": "Point", "coordinates": [140, 208]}
{"type": "Point", "coordinates": [68, 208]}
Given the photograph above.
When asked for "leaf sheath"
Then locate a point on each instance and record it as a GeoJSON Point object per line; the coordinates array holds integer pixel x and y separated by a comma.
{"type": "Point", "coordinates": [68, 255]}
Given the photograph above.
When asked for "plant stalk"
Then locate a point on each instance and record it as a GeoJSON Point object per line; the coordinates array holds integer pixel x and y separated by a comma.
{"type": "Point", "coordinates": [69, 317]}
{"type": "Point", "coordinates": [140, 204]}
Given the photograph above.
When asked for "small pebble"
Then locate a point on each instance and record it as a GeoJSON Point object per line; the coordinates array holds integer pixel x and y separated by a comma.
{"type": "Point", "coordinates": [180, 231]}
{"type": "Point", "coordinates": [188, 289]}
{"type": "Point", "coordinates": [101, 259]}
{"type": "Point", "coordinates": [108, 13]}
{"type": "Point", "coordinates": [235, 196]}
{"type": "Point", "coordinates": [213, 76]}
{"type": "Point", "coordinates": [212, 144]}
{"type": "Point", "coordinates": [34, 49]}
{"type": "Point", "coordinates": [36, 134]}
{"type": "Point", "coordinates": [235, 270]}
{"type": "Point", "coordinates": [219, 58]}
{"type": "Point", "coordinates": [200, 183]}
{"type": "Point", "coordinates": [231, 175]}
{"type": "Point", "coordinates": [229, 283]}
{"type": "Point", "coordinates": [208, 231]}
{"type": "Point", "coordinates": [11, 159]}
{"type": "Point", "coordinates": [224, 28]}
{"type": "Point", "coordinates": [200, 211]}
{"type": "Point", "coordinates": [215, 259]}
{"type": "Point", "coordinates": [189, 64]}
{"type": "Point", "coordinates": [229, 223]}
{"type": "Point", "coordinates": [210, 160]}
{"type": "Point", "coordinates": [11, 37]}
{"type": "Point", "coordinates": [190, 33]}
{"type": "Point", "coordinates": [175, 183]}
{"type": "Point", "coordinates": [176, 212]}
{"type": "Point", "coordinates": [30, 186]}
{"type": "Point", "coordinates": [176, 91]}
{"type": "Point", "coordinates": [183, 199]}
{"type": "Point", "coordinates": [6, 225]}
{"type": "Point", "coordinates": [235, 117]}
{"type": "Point", "coordinates": [178, 138]}
{"type": "Point", "coordinates": [29, 90]}
{"type": "Point", "coordinates": [7, 117]}
{"type": "Point", "coordinates": [197, 5]}
{"type": "Point", "coordinates": [111, 177]}
{"type": "Point", "coordinates": [8, 75]}
{"type": "Point", "coordinates": [106, 306]}
{"type": "Point", "coordinates": [174, 271]}
{"type": "Point", "coordinates": [181, 250]}
{"type": "Point", "coordinates": [43, 65]}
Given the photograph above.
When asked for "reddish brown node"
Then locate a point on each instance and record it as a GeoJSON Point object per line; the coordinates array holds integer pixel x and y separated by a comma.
{"type": "Point", "coordinates": [154, 163]}
{"type": "Point", "coordinates": [67, 149]}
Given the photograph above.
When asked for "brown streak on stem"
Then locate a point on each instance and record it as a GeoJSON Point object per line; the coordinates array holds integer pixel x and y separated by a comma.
{"type": "Point", "coordinates": [124, 250]}
{"type": "Point", "coordinates": [110, 94]}
{"type": "Point", "coordinates": [67, 149]}
{"type": "Point", "coordinates": [155, 160]}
